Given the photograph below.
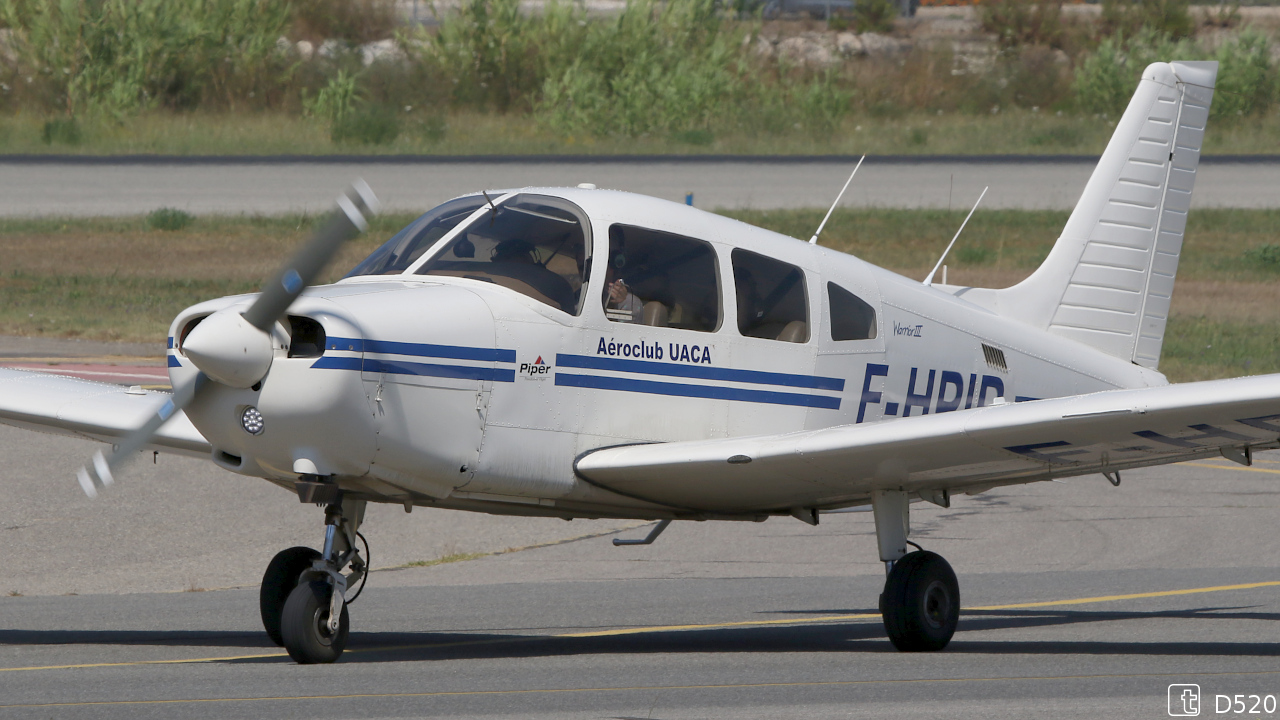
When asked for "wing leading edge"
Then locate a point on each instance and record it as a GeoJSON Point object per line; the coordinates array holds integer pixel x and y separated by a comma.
{"type": "Point", "coordinates": [98, 411]}
{"type": "Point", "coordinates": [965, 451]}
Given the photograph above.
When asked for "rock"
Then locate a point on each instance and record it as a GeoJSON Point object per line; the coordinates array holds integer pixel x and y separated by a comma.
{"type": "Point", "coordinates": [808, 50]}
{"type": "Point", "coordinates": [331, 48]}
{"type": "Point", "coordinates": [849, 45]}
{"type": "Point", "coordinates": [381, 50]}
{"type": "Point", "coordinates": [877, 45]}
{"type": "Point", "coordinates": [763, 47]}
{"type": "Point", "coordinates": [304, 49]}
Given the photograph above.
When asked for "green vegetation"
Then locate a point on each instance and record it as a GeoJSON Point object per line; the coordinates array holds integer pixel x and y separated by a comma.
{"type": "Point", "coordinates": [117, 279]}
{"type": "Point", "coordinates": [270, 76]}
{"type": "Point", "coordinates": [168, 219]}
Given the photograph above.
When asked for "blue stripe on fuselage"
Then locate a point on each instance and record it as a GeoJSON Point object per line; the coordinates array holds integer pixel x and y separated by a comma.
{"type": "Point", "coordinates": [396, 367]}
{"type": "Point", "coordinates": [712, 392]}
{"type": "Point", "coordinates": [451, 352]}
{"type": "Point", "coordinates": [699, 372]}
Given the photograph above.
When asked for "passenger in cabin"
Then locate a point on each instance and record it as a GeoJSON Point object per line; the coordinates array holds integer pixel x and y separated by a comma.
{"type": "Point", "coordinates": [620, 304]}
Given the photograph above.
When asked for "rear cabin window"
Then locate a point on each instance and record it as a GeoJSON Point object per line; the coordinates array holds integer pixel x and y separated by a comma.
{"type": "Point", "coordinates": [533, 244]}
{"type": "Point", "coordinates": [771, 298]}
{"type": "Point", "coordinates": [659, 279]}
{"type": "Point", "coordinates": [851, 317]}
{"type": "Point", "coordinates": [405, 247]}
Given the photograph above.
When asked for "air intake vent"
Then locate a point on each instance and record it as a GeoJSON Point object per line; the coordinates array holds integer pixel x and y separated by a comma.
{"type": "Point", "coordinates": [995, 357]}
{"type": "Point", "coordinates": [306, 337]}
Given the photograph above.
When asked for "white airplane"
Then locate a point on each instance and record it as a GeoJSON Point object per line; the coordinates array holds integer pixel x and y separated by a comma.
{"type": "Point", "coordinates": [585, 353]}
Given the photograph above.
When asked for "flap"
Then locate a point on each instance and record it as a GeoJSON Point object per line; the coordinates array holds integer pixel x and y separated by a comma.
{"type": "Point", "coordinates": [963, 451]}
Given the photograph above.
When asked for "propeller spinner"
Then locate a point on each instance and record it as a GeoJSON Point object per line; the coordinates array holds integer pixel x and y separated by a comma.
{"type": "Point", "coordinates": [234, 349]}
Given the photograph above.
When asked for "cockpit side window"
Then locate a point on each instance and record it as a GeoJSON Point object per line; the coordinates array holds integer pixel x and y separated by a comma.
{"type": "Point", "coordinates": [851, 317]}
{"type": "Point", "coordinates": [660, 279]}
{"type": "Point", "coordinates": [533, 244]}
{"type": "Point", "coordinates": [399, 253]}
{"type": "Point", "coordinates": [772, 302]}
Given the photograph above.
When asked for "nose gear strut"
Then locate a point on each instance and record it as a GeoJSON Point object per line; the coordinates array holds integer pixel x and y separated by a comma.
{"type": "Point", "coordinates": [313, 623]}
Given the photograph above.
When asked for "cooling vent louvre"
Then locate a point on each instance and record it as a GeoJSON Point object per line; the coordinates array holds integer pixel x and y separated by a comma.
{"type": "Point", "coordinates": [995, 357]}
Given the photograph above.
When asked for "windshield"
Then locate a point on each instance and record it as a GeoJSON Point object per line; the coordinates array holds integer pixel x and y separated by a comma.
{"type": "Point", "coordinates": [397, 254]}
{"type": "Point", "coordinates": [533, 244]}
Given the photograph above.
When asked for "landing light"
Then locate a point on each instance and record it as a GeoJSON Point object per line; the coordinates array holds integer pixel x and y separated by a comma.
{"type": "Point", "coordinates": [251, 421]}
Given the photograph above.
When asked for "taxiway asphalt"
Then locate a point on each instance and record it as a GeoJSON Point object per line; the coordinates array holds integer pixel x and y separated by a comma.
{"type": "Point", "coordinates": [1081, 600]}
{"type": "Point", "coordinates": [280, 186]}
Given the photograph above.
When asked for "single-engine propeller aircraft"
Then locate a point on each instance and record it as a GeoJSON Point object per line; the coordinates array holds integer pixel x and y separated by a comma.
{"type": "Point", "coordinates": [585, 353]}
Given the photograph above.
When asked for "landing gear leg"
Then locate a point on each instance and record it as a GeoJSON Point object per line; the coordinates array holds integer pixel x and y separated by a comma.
{"type": "Point", "coordinates": [921, 599]}
{"type": "Point", "coordinates": [314, 622]}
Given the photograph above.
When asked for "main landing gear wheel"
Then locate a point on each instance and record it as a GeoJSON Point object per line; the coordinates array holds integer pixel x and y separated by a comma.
{"type": "Point", "coordinates": [305, 625]}
{"type": "Point", "coordinates": [920, 603]}
{"type": "Point", "coordinates": [278, 581]}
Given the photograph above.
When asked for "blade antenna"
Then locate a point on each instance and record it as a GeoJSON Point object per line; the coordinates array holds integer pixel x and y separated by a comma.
{"type": "Point", "coordinates": [814, 240]}
{"type": "Point", "coordinates": [493, 211]}
{"type": "Point", "coordinates": [929, 280]}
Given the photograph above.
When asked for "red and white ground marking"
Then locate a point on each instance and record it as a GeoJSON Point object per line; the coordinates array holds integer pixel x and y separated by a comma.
{"type": "Point", "coordinates": [148, 373]}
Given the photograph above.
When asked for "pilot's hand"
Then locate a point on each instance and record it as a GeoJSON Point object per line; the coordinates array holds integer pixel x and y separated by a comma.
{"type": "Point", "coordinates": [618, 291]}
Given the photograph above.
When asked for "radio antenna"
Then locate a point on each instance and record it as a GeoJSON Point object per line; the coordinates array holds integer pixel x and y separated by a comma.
{"type": "Point", "coordinates": [929, 280]}
{"type": "Point", "coordinates": [814, 240]}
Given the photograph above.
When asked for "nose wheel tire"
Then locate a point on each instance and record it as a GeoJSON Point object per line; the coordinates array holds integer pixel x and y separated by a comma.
{"type": "Point", "coordinates": [278, 581]}
{"type": "Point", "coordinates": [920, 603]}
{"type": "Point", "coordinates": [305, 625]}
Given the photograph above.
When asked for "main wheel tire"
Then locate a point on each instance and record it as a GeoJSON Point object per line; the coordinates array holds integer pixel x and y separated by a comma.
{"type": "Point", "coordinates": [921, 603]}
{"type": "Point", "coordinates": [305, 625]}
{"type": "Point", "coordinates": [278, 581]}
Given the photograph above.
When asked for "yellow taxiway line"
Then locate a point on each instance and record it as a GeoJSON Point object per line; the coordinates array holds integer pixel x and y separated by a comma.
{"type": "Point", "coordinates": [657, 629]}
{"type": "Point", "coordinates": [1241, 468]}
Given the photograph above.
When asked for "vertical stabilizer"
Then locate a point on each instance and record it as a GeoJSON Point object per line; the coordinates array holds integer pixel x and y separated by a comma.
{"type": "Point", "coordinates": [1109, 279]}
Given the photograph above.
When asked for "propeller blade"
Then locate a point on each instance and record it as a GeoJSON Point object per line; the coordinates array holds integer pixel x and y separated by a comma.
{"type": "Point", "coordinates": [101, 472]}
{"type": "Point", "coordinates": [306, 264]}
{"type": "Point", "coordinates": [301, 270]}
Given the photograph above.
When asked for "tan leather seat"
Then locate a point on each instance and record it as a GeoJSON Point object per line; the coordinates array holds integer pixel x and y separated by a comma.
{"type": "Point", "coordinates": [796, 331]}
{"type": "Point", "coordinates": [655, 314]}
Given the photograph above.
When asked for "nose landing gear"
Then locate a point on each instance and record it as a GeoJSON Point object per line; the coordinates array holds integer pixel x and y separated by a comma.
{"type": "Point", "coordinates": [278, 581]}
{"type": "Point", "coordinates": [303, 595]}
{"type": "Point", "coordinates": [310, 636]}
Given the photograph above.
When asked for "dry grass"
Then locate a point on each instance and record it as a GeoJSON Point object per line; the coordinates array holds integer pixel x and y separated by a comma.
{"type": "Point", "coordinates": [445, 559]}
{"type": "Point", "coordinates": [914, 132]}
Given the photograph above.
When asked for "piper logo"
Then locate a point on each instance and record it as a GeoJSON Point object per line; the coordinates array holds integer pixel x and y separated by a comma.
{"type": "Point", "coordinates": [536, 370]}
{"type": "Point", "coordinates": [1184, 700]}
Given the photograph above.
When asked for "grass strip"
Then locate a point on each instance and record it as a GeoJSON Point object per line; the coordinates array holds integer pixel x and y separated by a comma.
{"type": "Point", "coordinates": [118, 279]}
{"type": "Point", "coordinates": [1014, 131]}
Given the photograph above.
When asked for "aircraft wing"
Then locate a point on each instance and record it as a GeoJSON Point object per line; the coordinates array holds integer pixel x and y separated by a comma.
{"type": "Point", "coordinates": [98, 411]}
{"type": "Point", "coordinates": [965, 451]}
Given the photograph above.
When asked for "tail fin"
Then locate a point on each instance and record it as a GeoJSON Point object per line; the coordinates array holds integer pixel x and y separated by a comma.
{"type": "Point", "coordinates": [1109, 279]}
